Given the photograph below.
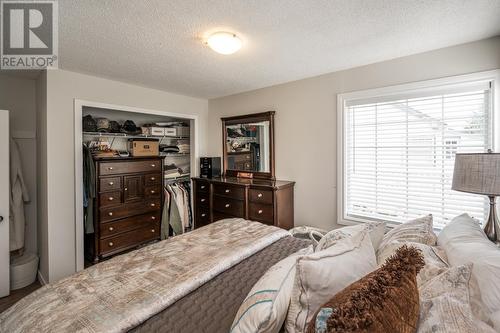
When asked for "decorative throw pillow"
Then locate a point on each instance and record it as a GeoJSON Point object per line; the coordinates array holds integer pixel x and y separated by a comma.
{"type": "Point", "coordinates": [385, 300]}
{"type": "Point", "coordinates": [434, 264]}
{"type": "Point", "coordinates": [418, 231]}
{"type": "Point", "coordinates": [375, 230]}
{"type": "Point", "coordinates": [465, 242]}
{"type": "Point", "coordinates": [444, 304]}
{"type": "Point", "coordinates": [322, 274]}
{"type": "Point", "coordinates": [265, 307]}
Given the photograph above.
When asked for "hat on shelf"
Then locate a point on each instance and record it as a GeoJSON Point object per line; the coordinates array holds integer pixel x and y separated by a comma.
{"type": "Point", "coordinates": [102, 124]}
{"type": "Point", "coordinates": [89, 124]}
{"type": "Point", "coordinates": [114, 126]}
{"type": "Point", "coordinates": [129, 127]}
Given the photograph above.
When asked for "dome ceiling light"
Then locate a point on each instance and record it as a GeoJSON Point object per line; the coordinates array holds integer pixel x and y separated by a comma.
{"type": "Point", "coordinates": [224, 42]}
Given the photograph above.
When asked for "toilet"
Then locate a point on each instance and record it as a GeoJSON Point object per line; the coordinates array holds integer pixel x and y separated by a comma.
{"type": "Point", "coordinates": [23, 270]}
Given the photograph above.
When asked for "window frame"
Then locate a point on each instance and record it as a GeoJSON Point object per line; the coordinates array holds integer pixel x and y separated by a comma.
{"type": "Point", "coordinates": [492, 76]}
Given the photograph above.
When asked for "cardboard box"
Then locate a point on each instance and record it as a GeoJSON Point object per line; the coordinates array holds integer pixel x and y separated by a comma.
{"type": "Point", "coordinates": [144, 147]}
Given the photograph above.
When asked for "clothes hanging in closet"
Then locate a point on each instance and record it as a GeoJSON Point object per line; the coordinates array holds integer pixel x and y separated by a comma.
{"type": "Point", "coordinates": [177, 212]}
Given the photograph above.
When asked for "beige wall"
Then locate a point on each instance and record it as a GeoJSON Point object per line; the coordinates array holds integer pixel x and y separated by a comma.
{"type": "Point", "coordinates": [18, 95]}
{"type": "Point", "coordinates": [306, 117]}
{"type": "Point", "coordinates": [62, 88]}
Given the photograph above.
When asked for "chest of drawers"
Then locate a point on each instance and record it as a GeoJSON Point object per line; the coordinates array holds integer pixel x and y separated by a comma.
{"type": "Point", "coordinates": [128, 205]}
{"type": "Point", "coordinates": [266, 201]}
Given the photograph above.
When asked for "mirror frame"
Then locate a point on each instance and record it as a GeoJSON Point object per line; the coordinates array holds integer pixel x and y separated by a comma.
{"type": "Point", "coordinates": [249, 118]}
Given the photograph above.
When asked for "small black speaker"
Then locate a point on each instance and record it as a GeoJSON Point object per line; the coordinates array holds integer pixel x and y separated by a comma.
{"type": "Point", "coordinates": [210, 167]}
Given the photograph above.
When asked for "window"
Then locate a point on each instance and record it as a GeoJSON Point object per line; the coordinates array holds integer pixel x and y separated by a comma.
{"type": "Point", "coordinates": [399, 145]}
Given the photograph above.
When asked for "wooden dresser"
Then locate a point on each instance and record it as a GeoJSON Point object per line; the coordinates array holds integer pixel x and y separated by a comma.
{"type": "Point", "coordinates": [128, 204]}
{"type": "Point", "coordinates": [267, 201]}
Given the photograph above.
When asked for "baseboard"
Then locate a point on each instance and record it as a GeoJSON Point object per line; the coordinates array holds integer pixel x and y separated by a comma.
{"type": "Point", "coordinates": [41, 279]}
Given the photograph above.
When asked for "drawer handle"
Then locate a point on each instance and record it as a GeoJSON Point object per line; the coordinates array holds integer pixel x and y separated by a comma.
{"type": "Point", "coordinates": [202, 187]}
{"type": "Point", "coordinates": [259, 212]}
{"type": "Point", "coordinates": [153, 218]}
{"type": "Point", "coordinates": [111, 198]}
{"type": "Point", "coordinates": [153, 165]}
{"type": "Point", "coordinates": [111, 244]}
{"type": "Point", "coordinates": [111, 183]}
{"type": "Point", "coordinates": [110, 168]}
{"type": "Point", "coordinates": [110, 213]}
{"type": "Point", "coordinates": [227, 205]}
{"type": "Point", "coordinates": [202, 200]}
{"type": "Point", "coordinates": [152, 205]}
{"type": "Point", "coordinates": [152, 178]}
{"type": "Point", "coordinates": [111, 228]}
{"type": "Point", "coordinates": [203, 215]}
{"type": "Point", "coordinates": [228, 190]}
{"type": "Point", "coordinates": [152, 191]}
{"type": "Point", "coordinates": [126, 188]}
{"type": "Point", "coordinates": [259, 195]}
{"type": "Point", "coordinates": [152, 230]}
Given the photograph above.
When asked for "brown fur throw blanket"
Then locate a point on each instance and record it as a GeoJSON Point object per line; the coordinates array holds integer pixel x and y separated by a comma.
{"type": "Point", "coordinates": [385, 300]}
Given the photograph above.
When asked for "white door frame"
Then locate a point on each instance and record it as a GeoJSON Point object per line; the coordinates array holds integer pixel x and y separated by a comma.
{"type": "Point", "coordinates": [4, 204]}
{"type": "Point", "coordinates": [78, 113]}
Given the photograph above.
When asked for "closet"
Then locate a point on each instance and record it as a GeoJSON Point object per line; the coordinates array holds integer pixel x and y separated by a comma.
{"type": "Point", "coordinates": [136, 180]}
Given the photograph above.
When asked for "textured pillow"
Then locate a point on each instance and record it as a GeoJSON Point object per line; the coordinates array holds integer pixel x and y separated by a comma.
{"type": "Point", "coordinates": [385, 300]}
{"type": "Point", "coordinates": [434, 263]}
{"type": "Point", "coordinates": [465, 242]}
{"type": "Point", "coordinates": [265, 307]}
{"type": "Point", "coordinates": [444, 304]}
{"type": "Point", "coordinates": [322, 274]}
{"type": "Point", "coordinates": [418, 231]}
{"type": "Point", "coordinates": [375, 230]}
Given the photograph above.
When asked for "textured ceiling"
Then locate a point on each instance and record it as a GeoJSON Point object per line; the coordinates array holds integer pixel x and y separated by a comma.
{"type": "Point", "coordinates": [157, 43]}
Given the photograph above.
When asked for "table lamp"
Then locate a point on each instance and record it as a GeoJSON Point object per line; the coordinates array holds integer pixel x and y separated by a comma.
{"type": "Point", "coordinates": [480, 173]}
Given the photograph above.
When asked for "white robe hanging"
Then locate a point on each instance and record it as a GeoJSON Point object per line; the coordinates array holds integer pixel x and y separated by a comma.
{"type": "Point", "coordinates": [19, 195]}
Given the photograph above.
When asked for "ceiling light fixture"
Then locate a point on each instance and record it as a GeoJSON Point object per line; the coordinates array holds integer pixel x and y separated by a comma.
{"type": "Point", "coordinates": [224, 42]}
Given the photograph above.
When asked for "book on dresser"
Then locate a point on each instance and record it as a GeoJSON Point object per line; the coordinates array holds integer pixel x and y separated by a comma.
{"type": "Point", "coordinates": [128, 205]}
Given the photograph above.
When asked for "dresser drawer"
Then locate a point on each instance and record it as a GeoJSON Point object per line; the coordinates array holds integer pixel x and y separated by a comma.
{"type": "Point", "coordinates": [110, 199]}
{"type": "Point", "coordinates": [152, 179]}
{"type": "Point", "coordinates": [202, 186]}
{"type": "Point", "coordinates": [152, 191]}
{"type": "Point", "coordinates": [229, 206]}
{"type": "Point", "coordinates": [112, 168]}
{"type": "Point", "coordinates": [260, 196]}
{"type": "Point", "coordinates": [131, 209]}
{"type": "Point", "coordinates": [221, 216]}
{"type": "Point", "coordinates": [261, 212]}
{"type": "Point", "coordinates": [110, 184]}
{"type": "Point", "coordinates": [128, 239]}
{"type": "Point", "coordinates": [202, 199]}
{"type": "Point", "coordinates": [130, 223]}
{"type": "Point", "coordinates": [234, 192]}
{"type": "Point", "coordinates": [202, 217]}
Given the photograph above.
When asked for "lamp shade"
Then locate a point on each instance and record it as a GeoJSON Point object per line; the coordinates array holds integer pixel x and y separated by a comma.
{"type": "Point", "coordinates": [477, 173]}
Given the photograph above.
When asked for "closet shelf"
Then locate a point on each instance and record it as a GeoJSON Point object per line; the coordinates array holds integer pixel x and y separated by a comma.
{"type": "Point", "coordinates": [128, 136]}
{"type": "Point", "coordinates": [174, 154]}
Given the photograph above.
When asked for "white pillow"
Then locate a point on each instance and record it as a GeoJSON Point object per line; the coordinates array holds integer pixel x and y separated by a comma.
{"type": "Point", "coordinates": [265, 307]}
{"type": "Point", "coordinates": [375, 230]}
{"type": "Point", "coordinates": [323, 274]}
{"type": "Point", "coordinates": [445, 306]}
{"type": "Point", "coordinates": [418, 230]}
{"type": "Point", "coordinates": [465, 242]}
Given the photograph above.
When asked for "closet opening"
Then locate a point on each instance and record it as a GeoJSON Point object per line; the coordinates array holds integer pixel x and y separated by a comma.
{"type": "Point", "coordinates": [133, 170]}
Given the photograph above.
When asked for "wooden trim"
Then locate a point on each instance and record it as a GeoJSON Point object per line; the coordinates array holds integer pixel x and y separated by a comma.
{"type": "Point", "coordinates": [249, 118]}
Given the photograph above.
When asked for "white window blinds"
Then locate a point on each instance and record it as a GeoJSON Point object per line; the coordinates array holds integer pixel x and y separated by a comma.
{"type": "Point", "coordinates": [400, 153]}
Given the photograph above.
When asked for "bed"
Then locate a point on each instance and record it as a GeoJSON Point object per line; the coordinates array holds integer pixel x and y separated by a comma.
{"type": "Point", "coordinates": [190, 283]}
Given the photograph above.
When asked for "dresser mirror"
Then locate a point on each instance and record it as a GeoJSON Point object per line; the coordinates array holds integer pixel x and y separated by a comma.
{"type": "Point", "coordinates": [248, 145]}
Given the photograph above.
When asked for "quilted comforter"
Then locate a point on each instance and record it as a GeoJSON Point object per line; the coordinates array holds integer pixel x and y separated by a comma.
{"type": "Point", "coordinates": [121, 293]}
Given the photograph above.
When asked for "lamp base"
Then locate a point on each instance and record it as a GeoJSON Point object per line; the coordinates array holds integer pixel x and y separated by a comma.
{"type": "Point", "coordinates": [492, 227]}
